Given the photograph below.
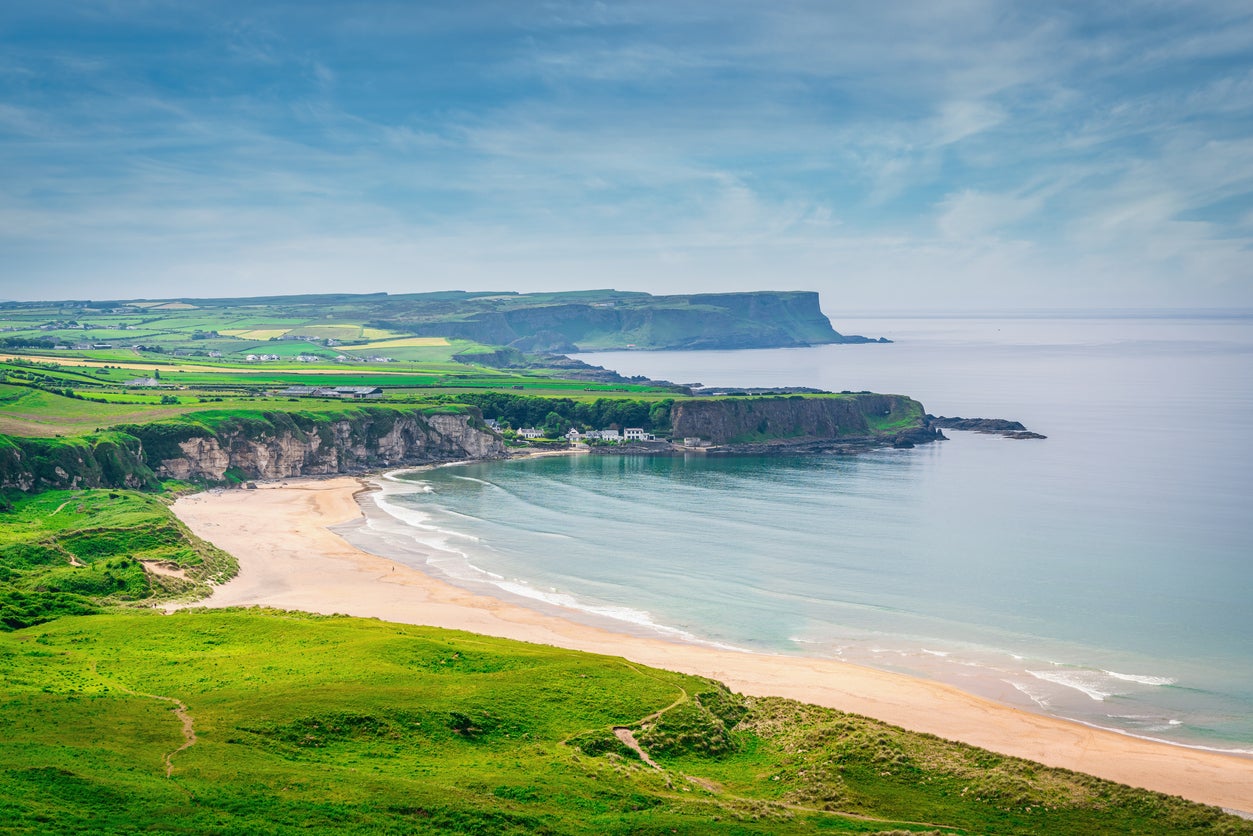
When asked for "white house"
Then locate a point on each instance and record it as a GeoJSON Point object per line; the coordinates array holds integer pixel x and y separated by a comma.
{"type": "Point", "coordinates": [606, 435]}
{"type": "Point", "coordinates": [530, 432]}
{"type": "Point", "coordinates": [574, 435]}
{"type": "Point", "coordinates": [637, 434]}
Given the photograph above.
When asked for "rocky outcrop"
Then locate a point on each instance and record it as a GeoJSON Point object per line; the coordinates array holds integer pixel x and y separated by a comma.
{"type": "Point", "coordinates": [992, 426]}
{"type": "Point", "coordinates": [368, 441]}
{"type": "Point", "coordinates": [799, 419]}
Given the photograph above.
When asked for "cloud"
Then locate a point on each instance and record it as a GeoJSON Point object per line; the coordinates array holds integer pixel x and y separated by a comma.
{"type": "Point", "coordinates": [956, 151]}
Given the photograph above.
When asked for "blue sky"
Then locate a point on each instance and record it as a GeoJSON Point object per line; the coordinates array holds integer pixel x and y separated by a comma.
{"type": "Point", "coordinates": [957, 154]}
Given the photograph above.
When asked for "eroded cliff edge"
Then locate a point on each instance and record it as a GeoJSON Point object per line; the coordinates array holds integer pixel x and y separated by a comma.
{"type": "Point", "coordinates": [232, 447]}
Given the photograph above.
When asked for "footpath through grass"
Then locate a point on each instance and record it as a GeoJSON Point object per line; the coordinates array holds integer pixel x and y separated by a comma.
{"type": "Point", "coordinates": [272, 722]}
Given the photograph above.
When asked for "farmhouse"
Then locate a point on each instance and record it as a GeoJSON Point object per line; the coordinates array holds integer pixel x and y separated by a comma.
{"type": "Point", "coordinates": [354, 393]}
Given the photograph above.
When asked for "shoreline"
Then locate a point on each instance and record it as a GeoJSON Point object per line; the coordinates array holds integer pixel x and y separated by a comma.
{"type": "Point", "coordinates": [290, 559]}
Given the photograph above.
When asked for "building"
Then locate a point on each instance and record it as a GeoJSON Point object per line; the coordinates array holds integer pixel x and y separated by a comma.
{"type": "Point", "coordinates": [637, 434]}
{"type": "Point", "coordinates": [351, 393]}
{"type": "Point", "coordinates": [141, 381]}
{"type": "Point", "coordinates": [530, 432]}
{"type": "Point", "coordinates": [492, 424]}
{"type": "Point", "coordinates": [574, 435]}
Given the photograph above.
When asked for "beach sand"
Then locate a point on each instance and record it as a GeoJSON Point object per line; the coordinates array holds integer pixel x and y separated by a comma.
{"type": "Point", "coordinates": [289, 559]}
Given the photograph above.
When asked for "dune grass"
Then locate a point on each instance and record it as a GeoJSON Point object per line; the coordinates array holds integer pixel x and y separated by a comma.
{"type": "Point", "coordinates": [69, 552]}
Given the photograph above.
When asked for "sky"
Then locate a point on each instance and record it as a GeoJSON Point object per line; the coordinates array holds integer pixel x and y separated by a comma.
{"type": "Point", "coordinates": [939, 154]}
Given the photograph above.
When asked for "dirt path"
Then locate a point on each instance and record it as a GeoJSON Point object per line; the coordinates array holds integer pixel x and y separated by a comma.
{"type": "Point", "coordinates": [189, 732]}
{"type": "Point", "coordinates": [187, 724]}
{"type": "Point", "coordinates": [624, 734]}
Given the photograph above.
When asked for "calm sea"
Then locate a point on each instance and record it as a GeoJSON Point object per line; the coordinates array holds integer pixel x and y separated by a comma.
{"type": "Point", "coordinates": [1104, 574]}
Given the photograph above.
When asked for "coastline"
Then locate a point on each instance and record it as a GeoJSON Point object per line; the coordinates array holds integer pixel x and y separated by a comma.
{"type": "Point", "coordinates": [290, 559]}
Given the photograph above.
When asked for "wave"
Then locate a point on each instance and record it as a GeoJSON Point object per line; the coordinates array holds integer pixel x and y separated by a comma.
{"type": "Point", "coordinates": [629, 615]}
{"type": "Point", "coordinates": [483, 482]}
{"type": "Point", "coordinates": [1035, 696]}
{"type": "Point", "coordinates": [1099, 685]}
{"type": "Point", "coordinates": [1143, 680]}
{"type": "Point", "coordinates": [418, 520]}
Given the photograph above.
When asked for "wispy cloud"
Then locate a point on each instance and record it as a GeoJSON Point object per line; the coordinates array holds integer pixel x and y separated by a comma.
{"type": "Point", "coordinates": [1093, 152]}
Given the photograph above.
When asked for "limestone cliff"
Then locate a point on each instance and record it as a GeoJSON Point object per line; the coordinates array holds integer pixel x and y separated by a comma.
{"type": "Point", "coordinates": [363, 442]}
{"type": "Point", "coordinates": [269, 445]}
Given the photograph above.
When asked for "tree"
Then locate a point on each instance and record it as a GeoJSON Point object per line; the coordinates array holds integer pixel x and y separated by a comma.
{"type": "Point", "coordinates": [555, 426]}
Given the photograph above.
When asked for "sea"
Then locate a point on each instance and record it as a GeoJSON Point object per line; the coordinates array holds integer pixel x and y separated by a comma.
{"type": "Point", "coordinates": [1104, 574]}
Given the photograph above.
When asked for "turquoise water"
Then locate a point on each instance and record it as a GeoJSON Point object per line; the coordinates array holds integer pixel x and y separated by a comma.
{"type": "Point", "coordinates": [1102, 575]}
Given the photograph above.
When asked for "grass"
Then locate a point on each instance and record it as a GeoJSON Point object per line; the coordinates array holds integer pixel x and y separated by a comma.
{"type": "Point", "coordinates": [79, 551]}
{"type": "Point", "coordinates": [332, 724]}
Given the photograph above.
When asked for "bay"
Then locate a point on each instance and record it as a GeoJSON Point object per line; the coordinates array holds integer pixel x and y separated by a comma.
{"type": "Point", "coordinates": [1102, 574]}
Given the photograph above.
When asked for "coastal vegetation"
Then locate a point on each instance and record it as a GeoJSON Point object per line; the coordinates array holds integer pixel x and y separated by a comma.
{"type": "Point", "coordinates": [77, 552]}
{"type": "Point", "coordinates": [247, 721]}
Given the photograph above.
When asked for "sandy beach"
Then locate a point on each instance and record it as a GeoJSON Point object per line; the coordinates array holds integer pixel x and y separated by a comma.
{"type": "Point", "coordinates": [290, 559]}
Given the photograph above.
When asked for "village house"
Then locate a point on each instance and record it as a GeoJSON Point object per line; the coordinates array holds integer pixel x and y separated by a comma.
{"type": "Point", "coordinates": [637, 434]}
{"type": "Point", "coordinates": [530, 432]}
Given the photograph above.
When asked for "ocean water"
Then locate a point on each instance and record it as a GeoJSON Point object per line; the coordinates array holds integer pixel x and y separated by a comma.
{"type": "Point", "coordinates": [1104, 574]}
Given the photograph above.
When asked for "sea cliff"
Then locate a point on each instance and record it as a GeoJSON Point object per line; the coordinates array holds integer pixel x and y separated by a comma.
{"type": "Point", "coordinates": [224, 447]}
{"type": "Point", "coordinates": [235, 447]}
{"type": "Point", "coordinates": [793, 418]}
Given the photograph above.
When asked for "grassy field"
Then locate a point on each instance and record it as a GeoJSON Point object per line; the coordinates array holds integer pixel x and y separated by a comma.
{"type": "Point", "coordinates": [266, 722]}
{"type": "Point", "coordinates": [65, 552]}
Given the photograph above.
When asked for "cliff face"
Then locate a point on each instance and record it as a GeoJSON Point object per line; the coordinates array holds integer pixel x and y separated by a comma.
{"type": "Point", "coordinates": [277, 446]}
{"type": "Point", "coordinates": [112, 460]}
{"type": "Point", "coordinates": [338, 447]}
{"type": "Point", "coordinates": [747, 420]}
